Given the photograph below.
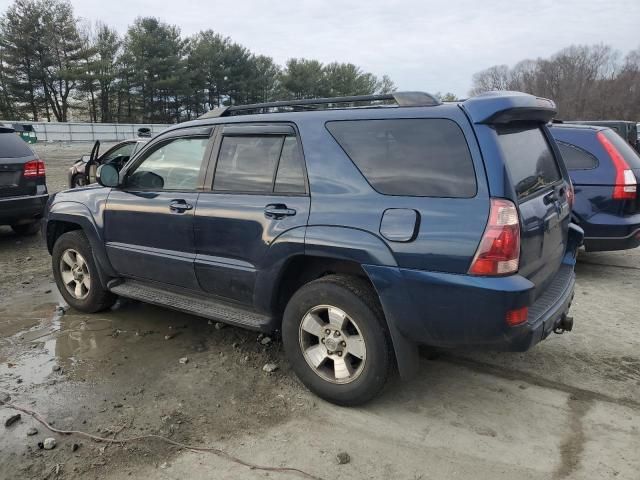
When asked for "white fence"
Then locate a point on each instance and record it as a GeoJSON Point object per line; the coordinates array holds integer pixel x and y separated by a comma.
{"type": "Point", "coordinates": [86, 132]}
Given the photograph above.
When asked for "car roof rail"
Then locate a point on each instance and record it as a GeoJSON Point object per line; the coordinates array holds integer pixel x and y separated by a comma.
{"type": "Point", "coordinates": [402, 99]}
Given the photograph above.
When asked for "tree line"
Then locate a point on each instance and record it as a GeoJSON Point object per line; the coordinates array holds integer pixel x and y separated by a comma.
{"type": "Point", "coordinates": [55, 66]}
{"type": "Point", "coordinates": [586, 82]}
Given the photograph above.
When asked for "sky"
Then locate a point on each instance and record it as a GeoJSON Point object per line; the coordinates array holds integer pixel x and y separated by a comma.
{"type": "Point", "coordinates": [427, 45]}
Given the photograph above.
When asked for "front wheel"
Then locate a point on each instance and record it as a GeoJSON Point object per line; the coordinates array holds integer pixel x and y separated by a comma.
{"type": "Point", "coordinates": [336, 339]}
{"type": "Point", "coordinates": [76, 273]}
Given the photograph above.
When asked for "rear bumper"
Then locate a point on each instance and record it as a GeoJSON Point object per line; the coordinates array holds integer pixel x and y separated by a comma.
{"type": "Point", "coordinates": [448, 310]}
{"type": "Point", "coordinates": [604, 232]}
{"type": "Point", "coordinates": [453, 310]}
{"type": "Point", "coordinates": [22, 209]}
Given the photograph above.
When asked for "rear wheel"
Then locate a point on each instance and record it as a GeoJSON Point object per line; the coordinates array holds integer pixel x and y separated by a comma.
{"type": "Point", "coordinates": [26, 228]}
{"type": "Point", "coordinates": [335, 337]}
{"type": "Point", "coordinates": [76, 273]}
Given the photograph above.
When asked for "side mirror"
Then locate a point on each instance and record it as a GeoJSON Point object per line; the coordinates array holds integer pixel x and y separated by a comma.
{"type": "Point", "coordinates": [108, 176]}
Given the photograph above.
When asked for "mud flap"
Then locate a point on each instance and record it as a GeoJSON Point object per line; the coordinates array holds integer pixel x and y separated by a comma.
{"type": "Point", "coordinates": [406, 351]}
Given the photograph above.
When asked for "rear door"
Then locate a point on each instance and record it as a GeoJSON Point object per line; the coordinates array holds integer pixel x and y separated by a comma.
{"type": "Point", "coordinates": [541, 194]}
{"type": "Point", "coordinates": [258, 193]}
{"type": "Point", "coordinates": [14, 154]}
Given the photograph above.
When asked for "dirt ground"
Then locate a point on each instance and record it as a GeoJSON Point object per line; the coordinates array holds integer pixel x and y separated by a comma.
{"type": "Point", "coordinates": [569, 408]}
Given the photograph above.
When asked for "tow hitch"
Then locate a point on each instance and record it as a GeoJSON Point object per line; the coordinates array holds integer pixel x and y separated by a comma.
{"type": "Point", "coordinates": [564, 325]}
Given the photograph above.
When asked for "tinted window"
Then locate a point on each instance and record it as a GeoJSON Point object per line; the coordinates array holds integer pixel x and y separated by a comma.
{"type": "Point", "coordinates": [290, 177]}
{"type": "Point", "coordinates": [576, 158]}
{"type": "Point", "coordinates": [628, 153]}
{"type": "Point", "coordinates": [423, 157]}
{"type": "Point", "coordinates": [172, 166]}
{"type": "Point", "coordinates": [529, 159]}
{"type": "Point", "coordinates": [12, 146]}
{"type": "Point", "coordinates": [247, 163]}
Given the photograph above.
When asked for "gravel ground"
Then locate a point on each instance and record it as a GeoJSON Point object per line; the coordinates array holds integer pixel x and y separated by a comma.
{"type": "Point", "coordinates": [569, 408]}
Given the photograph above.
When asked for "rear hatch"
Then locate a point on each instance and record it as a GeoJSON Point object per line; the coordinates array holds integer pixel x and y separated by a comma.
{"type": "Point", "coordinates": [14, 154]}
{"type": "Point", "coordinates": [541, 187]}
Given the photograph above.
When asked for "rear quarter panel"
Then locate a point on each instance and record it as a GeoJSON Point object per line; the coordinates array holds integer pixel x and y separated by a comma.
{"type": "Point", "coordinates": [449, 228]}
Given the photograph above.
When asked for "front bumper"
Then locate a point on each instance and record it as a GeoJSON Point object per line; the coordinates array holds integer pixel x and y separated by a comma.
{"type": "Point", "coordinates": [24, 209]}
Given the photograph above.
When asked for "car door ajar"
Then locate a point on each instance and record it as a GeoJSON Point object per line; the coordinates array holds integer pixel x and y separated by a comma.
{"type": "Point", "coordinates": [259, 192]}
{"type": "Point", "coordinates": [149, 219]}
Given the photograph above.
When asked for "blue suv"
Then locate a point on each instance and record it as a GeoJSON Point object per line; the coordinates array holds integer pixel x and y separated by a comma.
{"type": "Point", "coordinates": [358, 227]}
{"type": "Point", "coordinates": [605, 171]}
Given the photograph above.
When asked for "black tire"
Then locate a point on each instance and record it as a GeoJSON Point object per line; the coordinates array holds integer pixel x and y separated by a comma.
{"type": "Point", "coordinates": [25, 229]}
{"type": "Point", "coordinates": [358, 300]}
{"type": "Point", "coordinates": [78, 180]}
{"type": "Point", "coordinates": [97, 298]}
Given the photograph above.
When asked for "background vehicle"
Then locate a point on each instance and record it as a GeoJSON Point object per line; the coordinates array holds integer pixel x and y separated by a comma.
{"type": "Point", "coordinates": [23, 190]}
{"type": "Point", "coordinates": [318, 223]}
{"type": "Point", "coordinates": [26, 132]}
{"type": "Point", "coordinates": [605, 171]}
{"type": "Point", "coordinates": [117, 155]}
{"type": "Point", "coordinates": [627, 130]}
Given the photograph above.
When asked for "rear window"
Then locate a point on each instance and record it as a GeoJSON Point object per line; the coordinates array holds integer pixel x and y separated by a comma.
{"type": "Point", "coordinates": [412, 157]}
{"type": "Point", "coordinates": [529, 159]}
{"type": "Point", "coordinates": [12, 146]}
{"type": "Point", "coordinates": [575, 158]}
{"type": "Point", "coordinates": [628, 153]}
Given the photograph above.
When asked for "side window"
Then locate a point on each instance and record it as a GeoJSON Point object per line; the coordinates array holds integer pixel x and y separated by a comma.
{"type": "Point", "coordinates": [576, 158]}
{"type": "Point", "coordinates": [248, 163]}
{"type": "Point", "coordinates": [421, 157]}
{"type": "Point", "coordinates": [290, 176]}
{"type": "Point", "coordinates": [124, 151]}
{"type": "Point", "coordinates": [174, 165]}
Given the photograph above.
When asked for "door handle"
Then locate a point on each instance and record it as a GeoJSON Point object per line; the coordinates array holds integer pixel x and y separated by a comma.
{"type": "Point", "coordinates": [278, 211]}
{"type": "Point", "coordinates": [550, 197]}
{"type": "Point", "coordinates": [179, 206]}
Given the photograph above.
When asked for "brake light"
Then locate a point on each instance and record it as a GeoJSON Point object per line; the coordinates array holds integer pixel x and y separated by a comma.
{"type": "Point", "coordinates": [499, 249]}
{"type": "Point", "coordinates": [34, 169]}
{"type": "Point", "coordinates": [626, 186]}
{"type": "Point", "coordinates": [517, 316]}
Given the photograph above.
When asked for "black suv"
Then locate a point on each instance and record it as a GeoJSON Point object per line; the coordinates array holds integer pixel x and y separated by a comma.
{"type": "Point", "coordinates": [23, 191]}
{"type": "Point", "coordinates": [356, 227]}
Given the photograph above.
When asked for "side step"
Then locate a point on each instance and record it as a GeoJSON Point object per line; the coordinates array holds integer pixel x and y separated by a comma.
{"type": "Point", "coordinates": [195, 304]}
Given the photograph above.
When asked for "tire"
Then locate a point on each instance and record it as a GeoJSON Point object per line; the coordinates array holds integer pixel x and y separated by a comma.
{"type": "Point", "coordinates": [73, 264]}
{"type": "Point", "coordinates": [309, 310]}
{"type": "Point", "coordinates": [78, 180]}
{"type": "Point", "coordinates": [26, 229]}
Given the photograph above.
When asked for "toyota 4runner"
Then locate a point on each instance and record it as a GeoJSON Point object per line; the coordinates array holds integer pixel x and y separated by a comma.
{"type": "Point", "coordinates": [359, 227]}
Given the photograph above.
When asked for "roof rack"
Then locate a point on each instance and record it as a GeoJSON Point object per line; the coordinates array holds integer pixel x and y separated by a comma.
{"type": "Point", "coordinates": [402, 99]}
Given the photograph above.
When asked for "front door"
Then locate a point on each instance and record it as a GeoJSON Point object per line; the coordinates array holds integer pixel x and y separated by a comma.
{"type": "Point", "coordinates": [149, 220]}
{"type": "Point", "coordinates": [258, 193]}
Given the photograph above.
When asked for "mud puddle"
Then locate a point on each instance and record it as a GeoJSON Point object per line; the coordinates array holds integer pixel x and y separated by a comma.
{"type": "Point", "coordinates": [120, 371]}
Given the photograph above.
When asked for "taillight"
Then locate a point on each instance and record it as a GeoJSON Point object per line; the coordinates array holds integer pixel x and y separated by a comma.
{"type": "Point", "coordinates": [33, 169]}
{"type": "Point", "coordinates": [626, 186]}
{"type": "Point", "coordinates": [571, 195]}
{"type": "Point", "coordinates": [499, 249]}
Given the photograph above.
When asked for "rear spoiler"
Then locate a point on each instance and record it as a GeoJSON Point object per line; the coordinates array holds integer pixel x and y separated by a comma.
{"type": "Point", "coordinates": [506, 107]}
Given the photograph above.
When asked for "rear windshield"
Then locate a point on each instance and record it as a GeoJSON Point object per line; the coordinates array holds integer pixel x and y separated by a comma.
{"type": "Point", "coordinates": [529, 159]}
{"type": "Point", "coordinates": [628, 153]}
{"type": "Point", "coordinates": [12, 146]}
{"type": "Point", "coordinates": [412, 157]}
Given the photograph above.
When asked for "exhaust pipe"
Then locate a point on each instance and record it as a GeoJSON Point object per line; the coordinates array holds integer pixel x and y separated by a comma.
{"type": "Point", "coordinates": [564, 325]}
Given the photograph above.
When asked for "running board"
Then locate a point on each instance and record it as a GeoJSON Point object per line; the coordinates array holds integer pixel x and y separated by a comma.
{"type": "Point", "coordinates": [195, 304]}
